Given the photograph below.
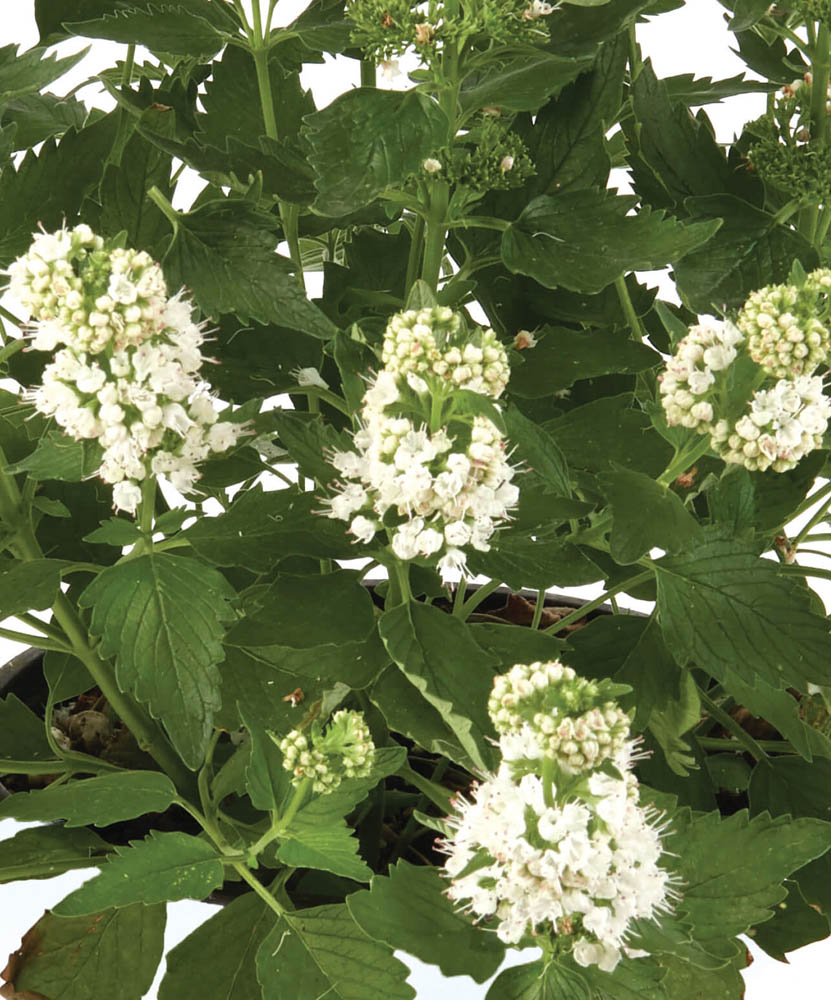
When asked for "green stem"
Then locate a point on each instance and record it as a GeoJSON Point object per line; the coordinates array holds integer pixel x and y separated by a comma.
{"type": "Point", "coordinates": [368, 75]}
{"type": "Point", "coordinates": [635, 327]}
{"type": "Point", "coordinates": [809, 501]}
{"type": "Point", "coordinates": [10, 316]}
{"type": "Point", "coordinates": [473, 602]}
{"type": "Point", "coordinates": [774, 746]}
{"type": "Point", "coordinates": [729, 723]}
{"type": "Point", "coordinates": [684, 458]}
{"type": "Point", "coordinates": [459, 597]}
{"type": "Point", "coordinates": [164, 206]}
{"type": "Point", "coordinates": [785, 212]}
{"type": "Point", "coordinates": [436, 234]}
{"type": "Point", "coordinates": [257, 886]}
{"type": "Point", "coordinates": [148, 508]}
{"type": "Point", "coordinates": [42, 626]}
{"type": "Point", "coordinates": [819, 515]}
{"type": "Point", "coordinates": [402, 575]}
{"type": "Point", "coordinates": [538, 609]}
{"type": "Point", "coordinates": [635, 61]}
{"type": "Point", "coordinates": [416, 250]}
{"type": "Point", "coordinates": [576, 615]}
{"type": "Point", "coordinates": [282, 822]}
{"type": "Point", "coordinates": [437, 794]}
{"type": "Point", "coordinates": [33, 767]}
{"type": "Point", "coordinates": [38, 641]}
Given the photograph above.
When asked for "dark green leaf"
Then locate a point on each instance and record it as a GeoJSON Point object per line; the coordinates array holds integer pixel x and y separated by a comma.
{"type": "Point", "coordinates": [217, 961]}
{"type": "Point", "coordinates": [795, 923]}
{"type": "Point", "coordinates": [59, 457]}
{"type": "Point", "coordinates": [161, 616]}
{"type": "Point", "coordinates": [539, 562]}
{"type": "Point", "coordinates": [66, 676]}
{"type": "Point", "coordinates": [438, 655]}
{"type": "Point", "coordinates": [580, 30]}
{"type": "Point", "coordinates": [164, 866]}
{"type": "Point", "coordinates": [645, 515]}
{"type": "Point", "coordinates": [47, 851]}
{"type": "Point", "coordinates": [224, 252]}
{"type": "Point", "coordinates": [322, 951]}
{"type": "Point", "coordinates": [731, 501]}
{"type": "Point", "coordinates": [29, 586]}
{"type": "Point", "coordinates": [519, 81]}
{"type": "Point", "coordinates": [746, 13]}
{"type": "Point", "coordinates": [516, 643]}
{"type": "Point", "coordinates": [728, 610]}
{"type": "Point", "coordinates": [692, 91]}
{"type": "Point", "coordinates": [22, 735]}
{"type": "Point", "coordinates": [633, 979]}
{"type": "Point", "coordinates": [308, 440]}
{"type": "Point", "coordinates": [409, 911]}
{"type": "Point", "coordinates": [41, 116]}
{"type": "Point", "coordinates": [538, 981]}
{"type": "Point", "coordinates": [113, 953]}
{"type": "Point", "coordinates": [161, 28]}
{"type": "Point", "coordinates": [367, 140]}
{"type": "Point", "coordinates": [538, 450]}
{"type": "Point", "coordinates": [116, 531]}
{"type": "Point", "coordinates": [23, 73]}
{"type": "Point", "coordinates": [266, 780]}
{"type": "Point", "coordinates": [684, 981]}
{"type": "Point", "coordinates": [790, 785]}
{"type": "Point", "coordinates": [99, 801]}
{"type": "Point", "coordinates": [584, 240]}
{"type": "Point", "coordinates": [729, 770]}
{"type": "Point", "coordinates": [330, 848]}
{"type": "Point", "coordinates": [564, 356]}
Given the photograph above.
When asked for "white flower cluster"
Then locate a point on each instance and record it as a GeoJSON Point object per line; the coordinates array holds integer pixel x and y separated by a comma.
{"type": "Point", "coordinates": [431, 342]}
{"type": "Point", "coordinates": [127, 373]}
{"type": "Point", "coordinates": [537, 8]}
{"type": "Point", "coordinates": [435, 491]}
{"type": "Point", "coordinates": [344, 750]}
{"type": "Point", "coordinates": [546, 710]}
{"type": "Point", "coordinates": [783, 425]}
{"type": "Point", "coordinates": [687, 383]}
{"type": "Point", "coordinates": [785, 334]}
{"type": "Point", "coordinates": [572, 856]}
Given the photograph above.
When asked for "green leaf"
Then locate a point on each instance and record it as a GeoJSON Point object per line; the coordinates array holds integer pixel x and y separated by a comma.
{"type": "Point", "coordinates": [99, 801]}
{"type": "Point", "coordinates": [563, 356]}
{"type": "Point", "coordinates": [726, 609]}
{"type": "Point", "coordinates": [24, 73]}
{"type": "Point", "coordinates": [163, 866]}
{"type": "Point", "coordinates": [539, 450]}
{"type": "Point", "coordinates": [322, 951]}
{"type": "Point", "coordinates": [170, 29]}
{"type": "Point", "coordinates": [266, 780]}
{"type": "Point", "coordinates": [645, 515]}
{"type": "Point", "coordinates": [368, 140]}
{"type": "Point", "coordinates": [732, 502]}
{"type": "Point", "coordinates": [115, 531]}
{"type": "Point", "coordinates": [609, 428]}
{"type": "Point", "coordinates": [22, 735]}
{"type": "Point", "coordinates": [161, 616]}
{"type": "Point", "coordinates": [217, 960]}
{"type": "Point", "coordinates": [29, 586]}
{"type": "Point", "coordinates": [519, 81]}
{"type": "Point", "coordinates": [539, 981]}
{"type": "Point", "coordinates": [746, 13]}
{"type": "Point", "coordinates": [59, 457]}
{"type": "Point", "coordinates": [733, 867]}
{"type": "Point", "coordinates": [750, 250]}
{"type": "Point", "coordinates": [330, 848]}
{"type": "Point", "coordinates": [580, 30]}
{"type": "Point", "coordinates": [66, 676]}
{"type": "Point", "coordinates": [633, 979]}
{"type": "Point", "coordinates": [113, 953]}
{"type": "Point", "coordinates": [47, 851]}
{"type": "Point", "coordinates": [791, 785]}
{"type": "Point", "coordinates": [539, 562]}
{"type": "Point", "coordinates": [261, 528]}
{"type": "Point", "coordinates": [308, 440]}
{"type": "Point", "coordinates": [438, 655]}
{"type": "Point", "coordinates": [584, 240]}
{"type": "Point", "coordinates": [695, 92]}
{"type": "Point", "coordinates": [685, 981]}
{"type": "Point", "coordinates": [409, 912]}
{"type": "Point", "coordinates": [795, 923]}
{"type": "Point", "coordinates": [40, 116]}
{"type": "Point", "coordinates": [224, 251]}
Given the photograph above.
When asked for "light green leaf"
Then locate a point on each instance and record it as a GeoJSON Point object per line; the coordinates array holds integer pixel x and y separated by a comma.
{"type": "Point", "coordinates": [217, 961]}
{"type": "Point", "coordinates": [563, 356]}
{"type": "Point", "coordinates": [163, 866]}
{"type": "Point", "coordinates": [519, 81]}
{"type": "Point", "coordinates": [584, 240]}
{"type": "Point", "coordinates": [47, 851]}
{"type": "Point", "coordinates": [99, 801]}
{"type": "Point", "coordinates": [113, 953]}
{"type": "Point", "coordinates": [161, 616]}
{"type": "Point", "coordinates": [322, 952]}
{"type": "Point", "coordinates": [224, 251]}
{"type": "Point", "coordinates": [59, 457]}
{"type": "Point", "coordinates": [728, 610]}
{"type": "Point", "coordinates": [367, 140]}
{"type": "Point", "coordinates": [645, 515]}
{"type": "Point", "coordinates": [29, 586]}
{"type": "Point", "coordinates": [65, 675]}
{"type": "Point", "coordinates": [161, 28]}
{"type": "Point", "coordinates": [22, 735]}
{"type": "Point", "coordinates": [266, 780]}
{"type": "Point", "coordinates": [331, 848]}
{"type": "Point", "coordinates": [438, 655]}
{"type": "Point", "coordinates": [409, 911]}
{"type": "Point", "coordinates": [538, 450]}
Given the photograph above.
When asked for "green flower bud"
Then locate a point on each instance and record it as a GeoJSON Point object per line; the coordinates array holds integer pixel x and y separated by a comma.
{"type": "Point", "coordinates": [343, 750]}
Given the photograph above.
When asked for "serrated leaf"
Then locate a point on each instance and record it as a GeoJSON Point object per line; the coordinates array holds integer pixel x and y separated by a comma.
{"type": "Point", "coordinates": [684, 981]}
{"type": "Point", "coordinates": [217, 960]}
{"type": "Point", "coordinates": [113, 953]}
{"type": "Point", "coordinates": [98, 801]}
{"type": "Point", "coordinates": [584, 240]}
{"type": "Point", "coordinates": [47, 851]}
{"type": "Point", "coordinates": [266, 780]}
{"type": "Point", "coordinates": [66, 676]}
{"type": "Point", "coordinates": [330, 848]}
{"type": "Point", "coordinates": [696, 91]}
{"type": "Point", "coordinates": [539, 562]}
{"type": "Point", "coordinates": [160, 28]}
{"type": "Point", "coordinates": [367, 140]}
{"type": "Point", "coordinates": [795, 923]}
{"type": "Point", "coordinates": [322, 951]}
{"type": "Point", "coordinates": [29, 586]}
{"type": "Point", "coordinates": [730, 611]}
{"type": "Point", "coordinates": [539, 450]}
{"type": "Point", "coordinates": [22, 735]}
{"type": "Point", "coordinates": [438, 654]}
{"type": "Point", "coordinates": [564, 356]}
{"type": "Point", "coordinates": [539, 981]}
{"type": "Point", "coordinates": [115, 531]}
{"type": "Point", "coordinates": [519, 81]}
{"type": "Point", "coordinates": [225, 252]}
{"type": "Point", "coordinates": [746, 13]}
{"type": "Point", "coordinates": [40, 116]}
{"type": "Point", "coordinates": [409, 911]}
{"type": "Point", "coordinates": [162, 867]}
{"type": "Point", "coordinates": [59, 457]}
{"type": "Point", "coordinates": [161, 616]}
{"type": "Point", "coordinates": [23, 73]}
{"type": "Point", "coordinates": [645, 514]}
{"type": "Point", "coordinates": [309, 441]}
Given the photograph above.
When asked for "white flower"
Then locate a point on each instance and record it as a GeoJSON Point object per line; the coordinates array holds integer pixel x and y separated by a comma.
{"type": "Point", "coordinates": [432, 165]}
{"type": "Point", "coordinates": [363, 529]}
{"type": "Point", "coordinates": [506, 164]}
{"type": "Point", "coordinates": [309, 377]}
{"type": "Point", "coordinates": [126, 496]}
{"type": "Point", "coordinates": [524, 339]}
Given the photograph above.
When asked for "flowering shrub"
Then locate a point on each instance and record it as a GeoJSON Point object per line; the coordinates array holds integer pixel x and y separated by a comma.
{"type": "Point", "coordinates": [293, 467]}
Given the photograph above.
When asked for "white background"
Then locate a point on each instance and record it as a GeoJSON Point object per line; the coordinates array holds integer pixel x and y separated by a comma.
{"type": "Point", "coordinates": [693, 39]}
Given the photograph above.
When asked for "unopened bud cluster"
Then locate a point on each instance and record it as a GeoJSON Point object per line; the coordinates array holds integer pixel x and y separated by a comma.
{"type": "Point", "coordinates": [546, 710]}
{"type": "Point", "coordinates": [784, 327]}
{"type": "Point", "coordinates": [344, 749]}
{"type": "Point", "coordinates": [435, 491]}
{"type": "Point", "coordinates": [127, 371]}
{"type": "Point", "coordinates": [551, 849]}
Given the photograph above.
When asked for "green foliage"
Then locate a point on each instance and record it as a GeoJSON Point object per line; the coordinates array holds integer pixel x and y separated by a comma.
{"type": "Point", "coordinates": [46, 851]}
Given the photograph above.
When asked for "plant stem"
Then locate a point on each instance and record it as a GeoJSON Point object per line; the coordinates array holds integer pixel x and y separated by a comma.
{"type": "Point", "coordinates": [576, 615]}
{"type": "Point", "coordinates": [10, 316]}
{"type": "Point", "coordinates": [402, 575]}
{"type": "Point", "coordinates": [459, 597]}
{"type": "Point", "coordinates": [774, 746]}
{"type": "Point", "coordinates": [368, 75]}
{"type": "Point", "coordinates": [815, 519]}
{"type": "Point", "coordinates": [635, 61]}
{"type": "Point", "coordinates": [164, 206]}
{"type": "Point", "coordinates": [473, 602]}
{"type": "Point", "coordinates": [729, 723]}
{"type": "Point", "coordinates": [635, 327]}
{"type": "Point", "coordinates": [684, 458]}
{"type": "Point", "coordinates": [538, 609]}
{"type": "Point", "coordinates": [436, 234]}
{"type": "Point", "coordinates": [416, 251]}
{"type": "Point", "coordinates": [38, 641]}
{"type": "Point", "coordinates": [148, 508]}
{"type": "Point", "coordinates": [282, 822]}
{"type": "Point", "coordinates": [438, 795]}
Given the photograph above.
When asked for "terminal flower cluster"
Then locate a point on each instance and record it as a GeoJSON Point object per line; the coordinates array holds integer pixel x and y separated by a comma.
{"type": "Point", "coordinates": [436, 486]}
{"type": "Point", "coordinates": [344, 749]}
{"type": "Point", "coordinates": [574, 854]}
{"type": "Point", "coordinates": [126, 369]}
